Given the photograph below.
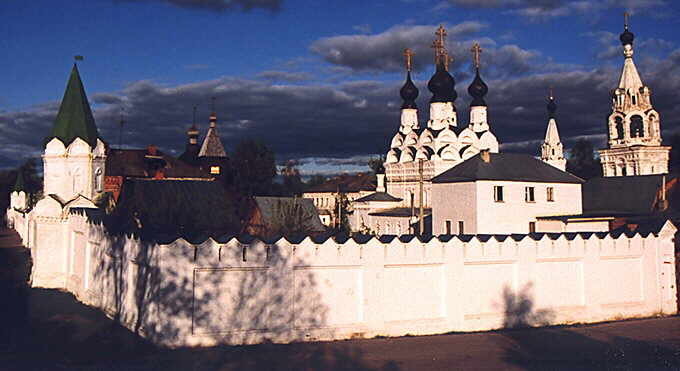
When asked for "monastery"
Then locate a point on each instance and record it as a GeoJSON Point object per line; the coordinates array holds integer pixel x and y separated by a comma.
{"type": "Point", "coordinates": [449, 178]}
{"type": "Point", "coordinates": [484, 212]}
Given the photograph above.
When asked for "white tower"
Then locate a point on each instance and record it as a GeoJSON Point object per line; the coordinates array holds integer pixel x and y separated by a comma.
{"type": "Point", "coordinates": [634, 130]}
{"type": "Point", "coordinates": [74, 159]}
{"type": "Point", "coordinates": [552, 151]}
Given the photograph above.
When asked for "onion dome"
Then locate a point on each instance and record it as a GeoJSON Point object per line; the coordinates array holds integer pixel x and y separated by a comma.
{"type": "Point", "coordinates": [409, 92]}
{"type": "Point", "coordinates": [552, 107]}
{"type": "Point", "coordinates": [627, 37]}
{"type": "Point", "coordinates": [477, 91]}
{"type": "Point", "coordinates": [442, 85]}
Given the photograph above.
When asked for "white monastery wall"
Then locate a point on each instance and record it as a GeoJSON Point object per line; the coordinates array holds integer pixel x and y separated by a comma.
{"type": "Point", "coordinates": [181, 293]}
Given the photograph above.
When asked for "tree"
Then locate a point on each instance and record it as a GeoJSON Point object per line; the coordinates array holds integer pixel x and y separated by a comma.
{"type": "Point", "coordinates": [377, 165]}
{"type": "Point", "coordinates": [254, 167]}
{"type": "Point", "coordinates": [292, 183]}
{"type": "Point", "coordinates": [674, 161]}
{"type": "Point", "coordinates": [315, 180]}
{"type": "Point", "coordinates": [582, 161]}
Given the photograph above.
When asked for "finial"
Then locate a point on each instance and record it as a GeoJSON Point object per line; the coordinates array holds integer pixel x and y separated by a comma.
{"type": "Point", "coordinates": [213, 104]}
{"type": "Point", "coordinates": [476, 51]}
{"type": "Point", "coordinates": [408, 53]}
{"type": "Point", "coordinates": [78, 58]}
{"type": "Point", "coordinates": [439, 46]}
{"type": "Point", "coordinates": [551, 96]}
{"type": "Point", "coordinates": [626, 17]}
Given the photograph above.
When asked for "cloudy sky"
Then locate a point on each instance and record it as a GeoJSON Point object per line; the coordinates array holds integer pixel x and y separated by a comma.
{"type": "Point", "coordinates": [317, 80]}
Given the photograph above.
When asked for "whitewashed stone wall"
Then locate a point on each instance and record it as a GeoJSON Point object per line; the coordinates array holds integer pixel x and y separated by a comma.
{"type": "Point", "coordinates": [180, 293]}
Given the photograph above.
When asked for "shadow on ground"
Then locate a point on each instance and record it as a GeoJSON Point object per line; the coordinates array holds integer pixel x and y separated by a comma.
{"type": "Point", "coordinates": [563, 348]}
{"type": "Point", "coordinates": [46, 329]}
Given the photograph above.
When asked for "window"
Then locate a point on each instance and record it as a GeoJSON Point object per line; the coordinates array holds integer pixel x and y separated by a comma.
{"type": "Point", "coordinates": [498, 193]}
{"type": "Point", "coordinates": [215, 170]}
{"type": "Point", "coordinates": [550, 196]}
{"type": "Point", "coordinates": [532, 227]}
{"type": "Point", "coordinates": [529, 194]}
{"type": "Point", "coordinates": [448, 227]}
{"type": "Point", "coordinates": [461, 227]}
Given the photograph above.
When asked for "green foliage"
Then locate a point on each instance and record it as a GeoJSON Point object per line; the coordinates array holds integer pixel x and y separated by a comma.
{"type": "Point", "coordinates": [342, 207]}
{"type": "Point", "coordinates": [316, 180]}
{"type": "Point", "coordinates": [582, 161]}
{"type": "Point", "coordinates": [377, 165]}
{"type": "Point", "coordinates": [292, 183]}
{"type": "Point", "coordinates": [254, 167]}
{"type": "Point", "coordinates": [674, 161]}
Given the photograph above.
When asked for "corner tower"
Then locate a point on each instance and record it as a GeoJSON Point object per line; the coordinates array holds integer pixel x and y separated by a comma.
{"type": "Point", "coordinates": [634, 127]}
{"type": "Point", "coordinates": [74, 158]}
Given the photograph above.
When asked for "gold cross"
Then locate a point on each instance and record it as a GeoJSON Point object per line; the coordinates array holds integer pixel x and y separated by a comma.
{"type": "Point", "coordinates": [441, 33]}
{"type": "Point", "coordinates": [408, 53]}
{"type": "Point", "coordinates": [476, 51]}
{"type": "Point", "coordinates": [626, 16]}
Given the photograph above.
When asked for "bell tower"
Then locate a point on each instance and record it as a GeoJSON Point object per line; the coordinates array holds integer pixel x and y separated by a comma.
{"type": "Point", "coordinates": [634, 127]}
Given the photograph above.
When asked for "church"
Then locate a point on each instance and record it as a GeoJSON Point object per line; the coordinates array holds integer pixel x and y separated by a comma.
{"type": "Point", "coordinates": [448, 178]}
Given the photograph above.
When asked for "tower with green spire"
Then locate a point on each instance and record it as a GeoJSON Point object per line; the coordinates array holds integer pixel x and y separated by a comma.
{"type": "Point", "coordinates": [75, 156]}
{"type": "Point", "coordinates": [18, 196]}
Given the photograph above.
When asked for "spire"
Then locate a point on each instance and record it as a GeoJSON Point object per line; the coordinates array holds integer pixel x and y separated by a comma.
{"type": "Point", "coordinates": [191, 149]}
{"type": "Point", "coordinates": [630, 78]}
{"type": "Point", "coordinates": [477, 88]}
{"type": "Point", "coordinates": [409, 92]}
{"type": "Point", "coordinates": [212, 144]}
{"type": "Point", "coordinates": [75, 119]}
{"type": "Point", "coordinates": [19, 185]}
{"type": "Point", "coordinates": [552, 151]}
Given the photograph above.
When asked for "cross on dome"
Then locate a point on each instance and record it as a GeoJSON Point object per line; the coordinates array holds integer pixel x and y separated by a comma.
{"type": "Point", "coordinates": [408, 53]}
{"type": "Point", "coordinates": [476, 52]}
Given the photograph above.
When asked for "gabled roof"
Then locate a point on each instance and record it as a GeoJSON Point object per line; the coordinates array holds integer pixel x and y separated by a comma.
{"type": "Point", "coordinates": [378, 196]}
{"type": "Point", "coordinates": [505, 166]}
{"type": "Point", "coordinates": [285, 215]}
{"type": "Point", "coordinates": [74, 119]}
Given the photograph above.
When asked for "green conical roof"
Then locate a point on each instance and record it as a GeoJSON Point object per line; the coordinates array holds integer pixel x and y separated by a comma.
{"type": "Point", "coordinates": [19, 184]}
{"type": "Point", "coordinates": [75, 119]}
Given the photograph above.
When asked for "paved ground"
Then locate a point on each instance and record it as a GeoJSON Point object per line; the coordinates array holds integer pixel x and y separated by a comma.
{"type": "Point", "coordinates": [50, 330]}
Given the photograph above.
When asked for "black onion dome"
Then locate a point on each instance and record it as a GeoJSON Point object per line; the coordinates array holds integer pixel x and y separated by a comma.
{"type": "Point", "coordinates": [478, 90]}
{"type": "Point", "coordinates": [627, 37]}
{"type": "Point", "coordinates": [442, 85]}
{"type": "Point", "coordinates": [552, 107]}
{"type": "Point", "coordinates": [409, 92]}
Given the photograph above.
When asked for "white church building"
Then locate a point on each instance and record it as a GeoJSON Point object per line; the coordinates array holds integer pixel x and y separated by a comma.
{"type": "Point", "coordinates": [448, 179]}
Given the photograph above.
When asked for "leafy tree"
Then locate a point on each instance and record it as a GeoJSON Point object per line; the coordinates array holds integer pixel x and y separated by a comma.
{"type": "Point", "coordinates": [315, 180]}
{"type": "Point", "coordinates": [254, 168]}
{"type": "Point", "coordinates": [292, 183]}
{"type": "Point", "coordinates": [674, 161]}
{"type": "Point", "coordinates": [582, 161]}
{"type": "Point", "coordinates": [377, 165]}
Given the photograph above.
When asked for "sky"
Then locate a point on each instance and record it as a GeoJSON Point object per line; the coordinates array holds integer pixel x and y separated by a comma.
{"type": "Point", "coordinates": [318, 81]}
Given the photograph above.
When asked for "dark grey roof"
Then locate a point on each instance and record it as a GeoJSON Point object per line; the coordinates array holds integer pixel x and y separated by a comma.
{"type": "Point", "coordinates": [400, 212]}
{"type": "Point", "coordinates": [506, 166]}
{"type": "Point", "coordinates": [622, 194]}
{"type": "Point", "coordinates": [279, 212]}
{"type": "Point", "coordinates": [378, 196]}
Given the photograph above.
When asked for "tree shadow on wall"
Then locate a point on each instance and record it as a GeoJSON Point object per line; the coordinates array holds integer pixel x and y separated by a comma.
{"type": "Point", "coordinates": [235, 293]}
{"type": "Point", "coordinates": [567, 348]}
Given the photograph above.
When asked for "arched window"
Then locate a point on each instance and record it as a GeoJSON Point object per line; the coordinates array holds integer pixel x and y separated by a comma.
{"type": "Point", "coordinates": [98, 180]}
{"type": "Point", "coordinates": [619, 127]}
{"type": "Point", "coordinates": [636, 128]}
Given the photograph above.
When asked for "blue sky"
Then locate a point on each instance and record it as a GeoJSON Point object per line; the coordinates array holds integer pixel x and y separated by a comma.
{"type": "Point", "coordinates": [318, 80]}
